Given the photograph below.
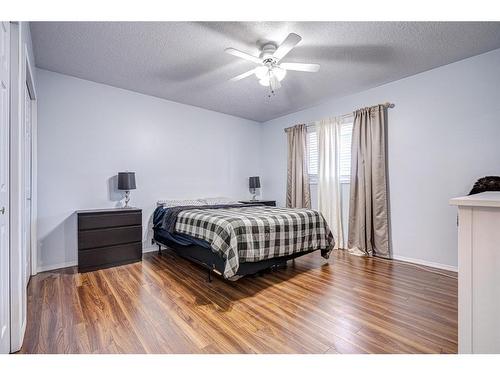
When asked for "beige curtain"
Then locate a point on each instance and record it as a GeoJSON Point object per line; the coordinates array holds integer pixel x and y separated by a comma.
{"type": "Point", "coordinates": [328, 177]}
{"type": "Point", "coordinates": [297, 187]}
{"type": "Point", "coordinates": [368, 203]}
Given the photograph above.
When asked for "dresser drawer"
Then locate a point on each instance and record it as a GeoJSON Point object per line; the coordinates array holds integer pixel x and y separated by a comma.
{"type": "Point", "coordinates": [93, 259]}
{"type": "Point", "coordinates": [109, 236]}
{"type": "Point", "coordinates": [108, 220]}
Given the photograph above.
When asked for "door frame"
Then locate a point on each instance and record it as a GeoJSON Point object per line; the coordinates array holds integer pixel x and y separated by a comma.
{"type": "Point", "coordinates": [21, 76]}
{"type": "Point", "coordinates": [30, 82]}
{"type": "Point", "coordinates": [6, 213]}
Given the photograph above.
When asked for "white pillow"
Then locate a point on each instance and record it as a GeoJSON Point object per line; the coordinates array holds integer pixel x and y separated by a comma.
{"type": "Point", "coordinates": [180, 202]}
{"type": "Point", "coordinates": [219, 200]}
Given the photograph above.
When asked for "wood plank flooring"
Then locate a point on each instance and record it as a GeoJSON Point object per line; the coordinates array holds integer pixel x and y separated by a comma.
{"type": "Point", "coordinates": [164, 304]}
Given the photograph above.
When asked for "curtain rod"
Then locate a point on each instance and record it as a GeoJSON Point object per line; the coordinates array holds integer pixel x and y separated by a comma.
{"type": "Point", "coordinates": [386, 105]}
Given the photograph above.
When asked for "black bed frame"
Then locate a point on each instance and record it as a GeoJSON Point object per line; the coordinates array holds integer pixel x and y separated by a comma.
{"type": "Point", "coordinates": [215, 264]}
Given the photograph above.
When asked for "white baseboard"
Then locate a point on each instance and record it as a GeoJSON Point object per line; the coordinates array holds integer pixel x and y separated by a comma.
{"type": "Point", "coordinates": [426, 263]}
{"type": "Point", "coordinates": [51, 267]}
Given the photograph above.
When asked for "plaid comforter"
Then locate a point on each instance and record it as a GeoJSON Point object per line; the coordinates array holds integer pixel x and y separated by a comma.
{"type": "Point", "coordinates": [250, 234]}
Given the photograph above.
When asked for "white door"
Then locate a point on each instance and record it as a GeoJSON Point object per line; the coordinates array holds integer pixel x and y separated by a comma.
{"type": "Point", "coordinates": [27, 186]}
{"type": "Point", "coordinates": [4, 188]}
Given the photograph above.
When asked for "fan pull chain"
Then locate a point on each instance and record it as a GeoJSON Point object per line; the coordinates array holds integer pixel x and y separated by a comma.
{"type": "Point", "coordinates": [271, 92]}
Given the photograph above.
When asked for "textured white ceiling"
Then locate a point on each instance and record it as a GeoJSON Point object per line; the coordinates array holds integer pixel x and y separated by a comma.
{"type": "Point", "coordinates": [185, 61]}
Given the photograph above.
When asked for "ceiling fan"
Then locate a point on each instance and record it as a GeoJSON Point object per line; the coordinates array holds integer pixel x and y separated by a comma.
{"type": "Point", "coordinates": [270, 70]}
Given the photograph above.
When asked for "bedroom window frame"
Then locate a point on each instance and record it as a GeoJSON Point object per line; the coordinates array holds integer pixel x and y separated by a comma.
{"type": "Point", "coordinates": [312, 154]}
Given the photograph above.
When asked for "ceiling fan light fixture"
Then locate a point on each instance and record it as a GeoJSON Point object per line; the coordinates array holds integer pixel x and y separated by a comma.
{"type": "Point", "coordinates": [279, 73]}
{"type": "Point", "coordinates": [270, 70]}
{"type": "Point", "coordinates": [272, 76]}
{"type": "Point", "coordinates": [261, 72]}
{"type": "Point", "coordinates": [264, 75]}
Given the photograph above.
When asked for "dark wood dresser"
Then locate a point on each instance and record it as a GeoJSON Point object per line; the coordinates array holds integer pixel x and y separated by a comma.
{"type": "Point", "coordinates": [265, 203]}
{"type": "Point", "coordinates": [109, 237]}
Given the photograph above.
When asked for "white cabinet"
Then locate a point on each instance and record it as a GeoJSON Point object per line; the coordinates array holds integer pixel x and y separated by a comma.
{"type": "Point", "coordinates": [478, 273]}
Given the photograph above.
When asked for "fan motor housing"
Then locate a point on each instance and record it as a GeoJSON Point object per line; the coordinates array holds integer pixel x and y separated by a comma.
{"type": "Point", "coordinates": [267, 52]}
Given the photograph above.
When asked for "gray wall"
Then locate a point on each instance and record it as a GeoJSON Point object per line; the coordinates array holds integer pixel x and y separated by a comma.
{"type": "Point", "coordinates": [88, 132]}
{"type": "Point", "coordinates": [444, 133]}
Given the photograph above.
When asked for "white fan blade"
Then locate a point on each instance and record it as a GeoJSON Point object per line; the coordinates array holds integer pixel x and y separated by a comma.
{"type": "Point", "coordinates": [244, 75]}
{"type": "Point", "coordinates": [243, 55]}
{"type": "Point", "coordinates": [291, 41]}
{"type": "Point", "coordinates": [300, 67]}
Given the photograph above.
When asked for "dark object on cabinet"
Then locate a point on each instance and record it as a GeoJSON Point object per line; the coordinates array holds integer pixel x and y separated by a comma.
{"type": "Point", "coordinates": [109, 237]}
{"type": "Point", "coordinates": [265, 203]}
{"type": "Point", "coordinates": [488, 183]}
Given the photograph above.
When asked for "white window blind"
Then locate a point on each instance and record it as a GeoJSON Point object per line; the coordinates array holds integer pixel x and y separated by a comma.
{"type": "Point", "coordinates": [312, 154]}
{"type": "Point", "coordinates": [345, 152]}
{"type": "Point", "coordinates": [344, 155]}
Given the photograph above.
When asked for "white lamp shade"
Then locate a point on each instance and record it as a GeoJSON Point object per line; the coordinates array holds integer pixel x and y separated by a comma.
{"type": "Point", "coordinates": [264, 79]}
{"type": "Point", "coordinates": [261, 72]}
{"type": "Point", "coordinates": [280, 73]}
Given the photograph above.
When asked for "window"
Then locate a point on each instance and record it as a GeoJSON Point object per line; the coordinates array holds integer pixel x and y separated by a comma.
{"type": "Point", "coordinates": [312, 154]}
{"type": "Point", "coordinates": [345, 152]}
{"type": "Point", "coordinates": [344, 157]}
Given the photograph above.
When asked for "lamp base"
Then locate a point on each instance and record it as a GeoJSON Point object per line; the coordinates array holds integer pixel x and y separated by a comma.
{"type": "Point", "coordinates": [127, 199]}
{"type": "Point", "coordinates": [254, 195]}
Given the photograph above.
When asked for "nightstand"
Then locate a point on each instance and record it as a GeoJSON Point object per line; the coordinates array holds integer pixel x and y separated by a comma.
{"type": "Point", "coordinates": [109, 237]}
{"type": "Point", "coordinates": [265, 203]}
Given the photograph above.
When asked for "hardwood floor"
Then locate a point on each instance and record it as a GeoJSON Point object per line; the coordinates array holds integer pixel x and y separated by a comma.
{"type": "Point", "coordinates": [165, 305]}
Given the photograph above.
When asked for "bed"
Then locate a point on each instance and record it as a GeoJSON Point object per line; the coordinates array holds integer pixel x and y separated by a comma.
{"type": "Point", "coordinates": [234, 240]}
